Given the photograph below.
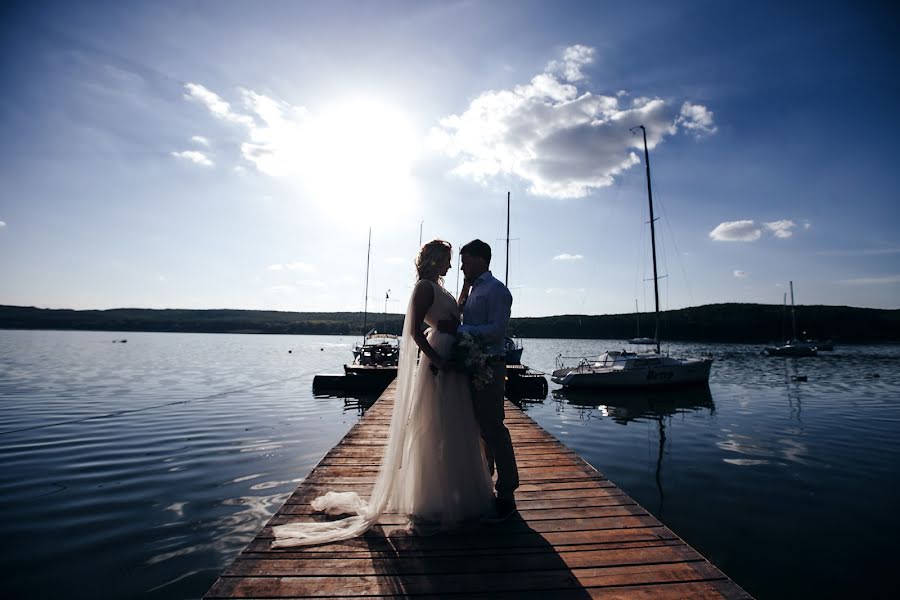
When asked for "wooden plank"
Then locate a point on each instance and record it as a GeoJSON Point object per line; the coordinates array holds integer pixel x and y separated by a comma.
{"type": "Point", "coordinates": [548, 581]}
{"type": "Point", "coordinates": [576, 535]}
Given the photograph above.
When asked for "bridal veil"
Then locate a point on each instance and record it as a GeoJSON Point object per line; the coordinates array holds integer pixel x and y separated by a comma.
{"type": "Point", "coordinates": [368, 512]}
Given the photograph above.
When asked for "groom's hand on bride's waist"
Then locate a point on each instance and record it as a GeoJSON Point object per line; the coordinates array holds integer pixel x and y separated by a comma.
{"type": "Point", "coordinates": [448, 326]}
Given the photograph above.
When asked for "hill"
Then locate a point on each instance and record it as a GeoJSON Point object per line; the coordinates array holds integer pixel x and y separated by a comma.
{"type": "Point", "coordinates": [750, 323]}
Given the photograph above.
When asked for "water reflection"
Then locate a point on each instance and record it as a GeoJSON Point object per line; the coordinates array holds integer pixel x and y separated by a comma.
{"type": "Point", "coordinates": [624, 406]}
{"type": "Point", "coordinates": [358, 402]}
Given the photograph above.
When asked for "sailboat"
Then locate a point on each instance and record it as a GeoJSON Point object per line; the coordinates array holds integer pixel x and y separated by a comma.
{"type": "Point", "coordinates": [622, 369]}
{"type": "Point", "coordinates": [793, 346]}
{"type": "Point", "coordinates": [511, 346]}
{"type": "Point", "coordinates": [378, 351]}
{"type": "Point", "coordinates": [638, 340]}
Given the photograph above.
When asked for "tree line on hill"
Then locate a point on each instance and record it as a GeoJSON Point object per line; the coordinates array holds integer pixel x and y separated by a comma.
{"type": "Point", "coordinates": [749, 323]}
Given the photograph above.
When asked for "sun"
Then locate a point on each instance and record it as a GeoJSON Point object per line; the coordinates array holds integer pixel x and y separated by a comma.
{"type": "Point", "coordinates": [358, 160]}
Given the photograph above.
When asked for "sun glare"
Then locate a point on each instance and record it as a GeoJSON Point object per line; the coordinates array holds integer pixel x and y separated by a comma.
{"type": "Point", "coordinates": [358, 161]}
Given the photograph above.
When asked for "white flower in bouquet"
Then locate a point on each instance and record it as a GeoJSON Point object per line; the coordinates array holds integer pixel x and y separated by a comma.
{"type": "Point", "coordinates": [470, 353]}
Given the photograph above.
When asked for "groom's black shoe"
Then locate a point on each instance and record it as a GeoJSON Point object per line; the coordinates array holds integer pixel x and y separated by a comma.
{"type": "Point", "coordinates": [505, 507]}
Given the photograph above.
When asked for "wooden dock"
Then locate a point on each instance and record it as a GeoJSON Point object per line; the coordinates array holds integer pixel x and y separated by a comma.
{"type": "Point", "coordinates": [577, 535]}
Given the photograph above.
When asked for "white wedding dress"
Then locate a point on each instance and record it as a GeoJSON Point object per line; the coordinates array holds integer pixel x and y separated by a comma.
{"type": "Point", "coordinates": [433, 469]}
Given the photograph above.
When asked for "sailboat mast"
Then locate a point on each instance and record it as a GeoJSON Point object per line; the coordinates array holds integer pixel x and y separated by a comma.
{"type": "Point", "coordinates": [637, 320]}
{"type": "Point", "coordinates": [652, 235]}
{"type": "Point", "coordinates": [784, 318]}
{"type": "Point", "coordinates": [366, 301]}
{"type": "Point", "coordinates": [793, 316]}
{"type": "Point", "coordinates": [506, 278]}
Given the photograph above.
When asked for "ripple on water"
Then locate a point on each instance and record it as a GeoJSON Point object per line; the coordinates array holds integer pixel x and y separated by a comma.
{"type": "Point", "coordinates": [187, 444]}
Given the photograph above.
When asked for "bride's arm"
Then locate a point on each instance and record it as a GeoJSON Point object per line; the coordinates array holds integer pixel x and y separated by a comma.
{"type": "Point", "coordinates": [423, 297]}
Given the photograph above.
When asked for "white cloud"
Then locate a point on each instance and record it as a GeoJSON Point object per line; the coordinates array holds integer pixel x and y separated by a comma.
{"type": "Point", "coordinates": [311, 283]}
{"type": "Point", "coordinates": [565, 256]}
{"type": "Point", "coordinates": [198, 158]}
{"type": "Point", "coordinates": [736, 231]}
{"type": "Point", "coordinates": [2, 224]}
{"type": "Point", "coordinates": [397, 260]}
{"type": "Point", "coordinates": [697, 119]}
{"type": "Point", "coordinates": [296, 265]}
{"type": "Point", "coordinates": [199, 139]}
{"type": "Point", "coordinates": [574, 57]}
{"type": "Point", "coordinates": [216, 105]}
{"type": "Point", "coordinates": [749, 231]}
{"type": "Point", "coordinates": [565, 143]}
{"type": "Point", "coordinates": [359, 135]}
{"type": "Point", "coordinates": [781, 229]}
{"type": "Point", "coordinates": [888, 280]}
{"type": "Point", "coordinates": [282, 140]}
{"type": "Point", "coordinates": [740, 274]}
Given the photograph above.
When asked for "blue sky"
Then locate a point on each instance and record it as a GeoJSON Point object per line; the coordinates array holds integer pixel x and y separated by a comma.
{"type": "Point", "coordinates": [235, 154]}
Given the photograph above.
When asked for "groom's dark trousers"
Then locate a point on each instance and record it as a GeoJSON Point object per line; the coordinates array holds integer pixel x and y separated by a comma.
{"type": "Point", "coordinates": [489, 413]}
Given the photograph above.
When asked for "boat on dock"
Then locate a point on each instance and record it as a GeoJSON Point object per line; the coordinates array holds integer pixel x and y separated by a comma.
{"type": "Point", "coordinates": [513, 348]}
{"type": "Point", "coordinates": [524, 383]}
{"type": "Point", "coordinates": [623, 369]}
{"type": "Point", "coordinates": [378, 349]}
{"type": "Point", "coordinates": [375, 359]}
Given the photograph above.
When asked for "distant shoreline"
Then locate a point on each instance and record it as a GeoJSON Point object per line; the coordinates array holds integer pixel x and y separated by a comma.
{"type": "Point", "coordinates": [737, 323]}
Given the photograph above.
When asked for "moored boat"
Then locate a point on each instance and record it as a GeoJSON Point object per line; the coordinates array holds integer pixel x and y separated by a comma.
{"type": "Point", "coordinates": [623, 369]}
{"type": "Point", "coordinates": [793, 346]}
{"type": "Point", "coordinates": [631, 369]}
{"type": "Point", "coordinates": [513, 349]}
{"type": "Point", "coordinates": [379, 353]}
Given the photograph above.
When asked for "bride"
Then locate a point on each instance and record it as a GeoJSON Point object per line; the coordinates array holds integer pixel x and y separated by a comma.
{"type": "Point", "coordinates": [433, 469]}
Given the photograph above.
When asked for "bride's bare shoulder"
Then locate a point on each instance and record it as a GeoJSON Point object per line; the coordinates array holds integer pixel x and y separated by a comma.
{"type": "Point", "coordinates": [424, 289]}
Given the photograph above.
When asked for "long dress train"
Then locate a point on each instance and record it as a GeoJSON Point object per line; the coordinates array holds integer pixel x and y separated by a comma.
{"type": "Point", "coordinates": [433, 469]}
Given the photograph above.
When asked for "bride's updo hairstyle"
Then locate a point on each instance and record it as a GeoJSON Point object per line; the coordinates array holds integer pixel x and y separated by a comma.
{"type": "Point", "coordinates": [429, 259]}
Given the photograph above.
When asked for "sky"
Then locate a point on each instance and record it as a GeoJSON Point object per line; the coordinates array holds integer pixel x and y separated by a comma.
{"type": "Point", "coordinates": [237, 154]}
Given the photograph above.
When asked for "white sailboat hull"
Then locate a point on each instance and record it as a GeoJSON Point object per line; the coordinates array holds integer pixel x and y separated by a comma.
{"type": "Point", "coordinates": [792, 348]}
{"type": "Point", "coordinates": [635, 373]}
{"type": "Point", "coordinates": [623, 369]}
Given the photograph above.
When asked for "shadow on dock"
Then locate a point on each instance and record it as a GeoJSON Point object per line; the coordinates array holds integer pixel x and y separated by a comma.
{"type": "Point", "coordinates": [507, 558]}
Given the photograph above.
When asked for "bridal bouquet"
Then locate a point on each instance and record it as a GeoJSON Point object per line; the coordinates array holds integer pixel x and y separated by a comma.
{"type": "Point", "coordinates": [469, 355]}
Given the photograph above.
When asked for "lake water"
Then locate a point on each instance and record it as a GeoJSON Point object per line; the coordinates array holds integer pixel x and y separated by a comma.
{"type": "Point", "coordinates": [141, 469]}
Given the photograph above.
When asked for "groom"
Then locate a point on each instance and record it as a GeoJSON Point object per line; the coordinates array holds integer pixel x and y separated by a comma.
{"type": "Point", "coordinates": [486, 304]}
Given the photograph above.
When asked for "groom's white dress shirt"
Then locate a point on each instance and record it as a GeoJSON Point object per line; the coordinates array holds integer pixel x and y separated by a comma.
{"type": "Point", "coordinates": [486, 312]}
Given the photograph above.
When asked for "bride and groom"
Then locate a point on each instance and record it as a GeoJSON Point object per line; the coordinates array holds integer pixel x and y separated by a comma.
{"type": "Point", "coordinates": [445, 435]}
